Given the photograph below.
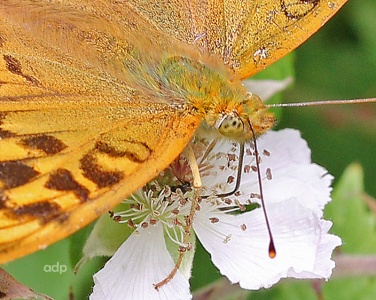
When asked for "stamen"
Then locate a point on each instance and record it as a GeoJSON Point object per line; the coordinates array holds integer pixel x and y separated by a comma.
{"type": "Point", "coordinates": [241, 206]}
{"type": "Point", "coordinates": [214, 220]}
{"type": "Point", "coordinates": [227, 239]}
{"type": "Point", "coordinates": [247, 169]}
{"type": "Point", "coordinates": [266, 152]}
{"type": "Point", "coordinates": [131, 223]}
{"type": "Point", "coordinates": [230, 179]}
{"type": "Point", "coordinates": [269, 174]}
{"type": "Point", "coordinates": [228, 201]}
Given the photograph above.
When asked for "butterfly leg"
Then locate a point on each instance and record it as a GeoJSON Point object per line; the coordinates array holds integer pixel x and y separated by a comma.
{"type": "Point", "coordinates": [190, 156]}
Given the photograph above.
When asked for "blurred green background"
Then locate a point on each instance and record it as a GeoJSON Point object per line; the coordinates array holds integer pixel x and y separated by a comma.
{"type": "Point", "coordinates": [339, 62]}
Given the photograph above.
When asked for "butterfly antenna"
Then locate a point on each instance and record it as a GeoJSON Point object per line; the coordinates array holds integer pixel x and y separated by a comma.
{"type": "Point", "coordinates": [319, 103]}
{"type": "Point", "coordinates": [272, 250]}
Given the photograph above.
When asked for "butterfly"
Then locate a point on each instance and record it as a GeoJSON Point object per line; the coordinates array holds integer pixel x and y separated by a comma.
{"type": "Point", "coordinates": [98, 97]}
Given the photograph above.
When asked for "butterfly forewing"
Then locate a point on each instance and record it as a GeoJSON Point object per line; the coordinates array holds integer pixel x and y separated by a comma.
{"type": "Point", "coordinates": [50, 175]}
{"type": "Point", "coordinates": [247, 34]}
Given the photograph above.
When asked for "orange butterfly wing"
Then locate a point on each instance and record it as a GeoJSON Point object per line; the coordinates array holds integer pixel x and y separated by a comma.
{"type": "Point", "coordinates": [248, 35]}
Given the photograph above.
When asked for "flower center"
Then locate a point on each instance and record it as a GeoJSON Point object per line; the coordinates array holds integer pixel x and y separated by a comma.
{"type": "Point", "coordinates": [155, 206]}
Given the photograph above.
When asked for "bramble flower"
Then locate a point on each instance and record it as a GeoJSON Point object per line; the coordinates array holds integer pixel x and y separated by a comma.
{"type": "Point", "coordinates": [295, 192]}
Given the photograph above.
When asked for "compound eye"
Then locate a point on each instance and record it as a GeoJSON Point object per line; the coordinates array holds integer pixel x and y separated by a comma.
{"type": "Point", "coordinates": [231, 126]}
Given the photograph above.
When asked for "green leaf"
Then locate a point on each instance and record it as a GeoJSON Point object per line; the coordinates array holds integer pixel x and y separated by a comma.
{"type": "Point", "coordinates": [352, 220]}
{"type": "Point", "coordinates": [355, 224]}
{"type": "Point", "coordinates": [105, 238]}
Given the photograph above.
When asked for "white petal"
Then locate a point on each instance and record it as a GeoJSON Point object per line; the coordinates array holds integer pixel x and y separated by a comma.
{"type": "Point", "coordinates": [293, 173]}
{"type": "Point", "coordinates": [300, 238]}
{"type": "Point", "coordinates": [324, 265]}
{"type": "Point", "coordinates": [267, 88]}
{"type": "Point", "coordinates": [294, 176]}
{"type": "Point", "coordinates": [140, 262]}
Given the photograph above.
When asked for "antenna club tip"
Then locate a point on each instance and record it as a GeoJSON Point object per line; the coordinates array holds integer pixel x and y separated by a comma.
{"type": "Point", "coordinates": [272, 251]}
{"type": "Point", "coordinates": [272, 254]}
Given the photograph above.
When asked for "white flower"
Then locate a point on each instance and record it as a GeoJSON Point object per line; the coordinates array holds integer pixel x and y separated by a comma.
{"type": "Point", "coordinates": [295, 192]}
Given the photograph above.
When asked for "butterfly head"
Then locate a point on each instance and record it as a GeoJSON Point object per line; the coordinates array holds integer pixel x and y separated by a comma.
{"type": "Point", "coordinates": [249, 116]}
